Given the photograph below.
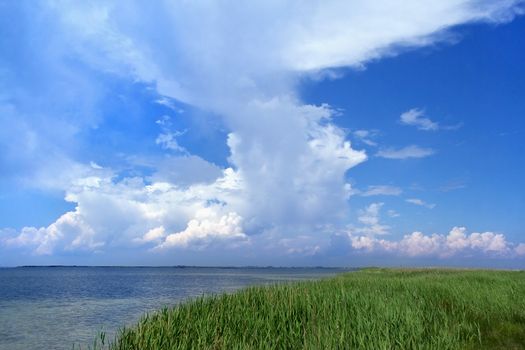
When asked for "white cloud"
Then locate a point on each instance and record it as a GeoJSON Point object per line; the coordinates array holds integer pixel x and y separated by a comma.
{"type": "Point", "coordinates": [420, 202]}
{"type": "Point", "coordinates": [293, 163]}
{"type": "Point", "coordinates": [243, 63]}
{"type": "Point", "coordinates": [111, 215]}
{"type": "Point", "coordinates": [520, 249]}
{"type": "Point", "coordinates": [278, 35]}
{"type": "Point", "coordinates": [155, 235]}
{"type": "Point", "coordinates": [168, 140]}
{"type": "Point", "coordinates": [370, 215]}
{"type": "Point", "coordinates": [95, 165]}
{"type": "Point", "coordinates": [347, 34]}
{"type": "Point", "coordinates": [370, 220]}
{"type": "Point", "coordinates": [45, 239]}
{"type": "Point", "coordinates": [417, 244]}
{"type": "Point", "coordinates": [415, 117]}
{"type": "Point", "coordinates": [363, 242]}
{"type": "Point", "coordinates": [412, 151]}
{"type": "Point", "coordinates": [205, 228]}
{"type": "Point", "coordinates": [381, 190]}
{"type": "Point", "coordinates": [488, 241]}
{"type": "Point", "coordinates": [365, 136]}
{"type": "Point", "coordinates": [164, 101]}
{"type": "Point", "coordinates": [456, 239]}
{"type": "Point", "coordinates": [457, 242]}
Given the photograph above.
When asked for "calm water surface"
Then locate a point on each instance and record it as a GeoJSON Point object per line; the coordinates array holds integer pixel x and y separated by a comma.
{"type": "Point", "coordinates": [54, 307]}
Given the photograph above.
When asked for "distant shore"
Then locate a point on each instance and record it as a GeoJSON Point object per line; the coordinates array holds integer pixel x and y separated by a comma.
{"type": "Point", "coordinates": [187, 267]}
{"type": "Point", "coordinates": [371, 309]}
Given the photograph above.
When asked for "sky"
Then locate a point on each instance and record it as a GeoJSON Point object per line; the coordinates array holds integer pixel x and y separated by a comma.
{"type": "Point", "coordinates": [284, 133]}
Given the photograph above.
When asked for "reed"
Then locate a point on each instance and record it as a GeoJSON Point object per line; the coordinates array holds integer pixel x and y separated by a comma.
{"type": "Point", "coordinates": [368, 309]}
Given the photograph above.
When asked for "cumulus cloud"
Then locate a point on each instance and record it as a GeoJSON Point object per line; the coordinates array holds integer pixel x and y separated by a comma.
{"type": "Point", "coordinates": [369, 238]}
{"type": "Point", "coordinates": [44, 240]}
{"type": "Point", "coordinates": [110, 214]}
{"type": "Point", "coordinates": [420, 202]}
{"type": "Point", "coordinates": [456, 242]}
{"type": "Point", "coordinates": [242, 63]}
{"type": "Point", "coordinates": [412, 151]}
{"type": "Point", "coordinates": [293, 164]}
{"type": "Point", "coordinates": [206, 227]}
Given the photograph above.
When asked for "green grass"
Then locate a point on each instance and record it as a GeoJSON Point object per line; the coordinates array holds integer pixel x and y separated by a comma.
{"type": "Point", "coordinates": [369, 309]}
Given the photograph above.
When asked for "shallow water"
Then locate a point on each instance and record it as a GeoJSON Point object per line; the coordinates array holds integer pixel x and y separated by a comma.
{"type": "Point", "coordinates": [54, 307]}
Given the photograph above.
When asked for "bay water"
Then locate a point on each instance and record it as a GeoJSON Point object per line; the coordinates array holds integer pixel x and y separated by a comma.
{"type": "Point", "coordinates": [56, 307]}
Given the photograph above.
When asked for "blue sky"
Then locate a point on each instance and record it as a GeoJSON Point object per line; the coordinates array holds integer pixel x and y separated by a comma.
{"type": "Point", "coordinates": [266, 134]}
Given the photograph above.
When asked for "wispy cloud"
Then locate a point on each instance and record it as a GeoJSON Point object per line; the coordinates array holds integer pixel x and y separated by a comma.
{"type": "Point", "coordinates": [412, 151]}
{"type": "Point", "coordinates": [452, 186]}
{"type": "Point", "coordinates": [168, 140]}
{"type": "Point", "coordinates": [366, 136]}
{"type": "Point", "coordinates": [369, 217]}
{"type": "Point", "coordinates": [392, 213]}
{"type": "Point", "coordinates": [381, 190]}
{"type": "Point", "coordinates": [416, 117]}
{"type": "Point", "coordinates": [420, 202]}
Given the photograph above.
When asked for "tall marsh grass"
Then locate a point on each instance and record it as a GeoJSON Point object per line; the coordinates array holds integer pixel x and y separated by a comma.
{"type": "Point", "coordinates": [369, 309]}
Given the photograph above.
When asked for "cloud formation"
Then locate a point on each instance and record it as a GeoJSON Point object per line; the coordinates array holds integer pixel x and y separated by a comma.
{"type": "Point", "coordinates": [243, 63]}
{"type": "Point", "coordinates": [456, 242]}
{"type": "Point", "coordinates": [371, 239]}
{"type": "Point", "coordinates": [206, 227]}
{"type": "Point", "coordinates": [111, 214]}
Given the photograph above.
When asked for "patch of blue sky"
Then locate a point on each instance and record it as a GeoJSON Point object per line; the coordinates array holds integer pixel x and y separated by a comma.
{"type": "Point", "coordinates": [476, 174]}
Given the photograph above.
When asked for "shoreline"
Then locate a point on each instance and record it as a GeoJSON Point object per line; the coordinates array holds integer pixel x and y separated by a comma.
{"type": "Point", "coordinates": [369, 308]}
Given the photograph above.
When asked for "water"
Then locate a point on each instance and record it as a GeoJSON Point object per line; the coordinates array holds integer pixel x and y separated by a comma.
{"type": "Point", "coordinates": [54, 307]}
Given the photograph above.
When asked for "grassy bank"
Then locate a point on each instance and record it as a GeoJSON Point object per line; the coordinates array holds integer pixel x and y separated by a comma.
{"type": "Point", "coordinates": [369, 309]}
